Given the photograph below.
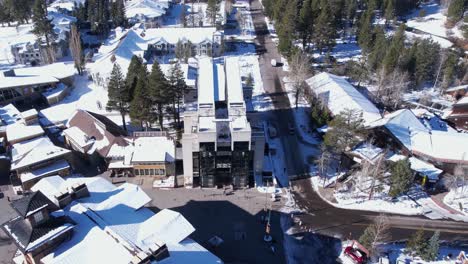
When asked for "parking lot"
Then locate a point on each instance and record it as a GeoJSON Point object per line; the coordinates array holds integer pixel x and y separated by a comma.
{"type": "Point", "coordinates": [235, 218]}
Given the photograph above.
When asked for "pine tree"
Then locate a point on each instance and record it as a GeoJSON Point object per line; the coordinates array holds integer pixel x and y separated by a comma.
{"type": "Point", "coordinates": [141, 105]}
{"type": "Point", "coordinates": [365, 31]}
{"type": "Point", "coordinates": [212, 10]}
{"type": "Point", "coordinates": [119, 96]}
{"type": "Point", "coordinates": [432, 250]}
{"type": "Point", "coordinates": [325, 28]}
{"type": "Point", "coordinates": [427, 60]}
{"type": "Point", "coordinates": [416, 244]}
{"type": "Point", "coordinates": [347, 128]}
{"type": "Point", "coordinates": [455, 10]}
{"type": "Point", "coordinates": [76, 50]}
{"type": "Point", "coordinates": [391, 59]}
{"type": "Point", "coordinates": [136, 65]}
{"type": "Point", "coordinates": [117, 13]}
{"type": "Point", "coordinates": [177, 86]}
{"type": "Point", "coordinates": [159, 92]}
{"type": "Point", "coordinates": [43, 27]}
{"type": "Point", "coordinates": [389, 10]}
{"type": "Point", "coordinates": [401, 179]}
{"type": "Point", "coordinates": [305, 25]}
{"type": "Point", "coordinates": [287, 28]}
{"type": "Point", "coordinates": [449, 70]}
{"type": "Point", "coordinates": [379, 50]}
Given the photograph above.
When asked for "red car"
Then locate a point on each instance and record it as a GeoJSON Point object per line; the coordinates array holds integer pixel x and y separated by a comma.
{"type": "Point", "coordinates": [356, 255]}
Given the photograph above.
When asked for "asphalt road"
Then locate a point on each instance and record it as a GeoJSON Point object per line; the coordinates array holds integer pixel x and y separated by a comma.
{"type": "Point", "coordinates": [321, 217]}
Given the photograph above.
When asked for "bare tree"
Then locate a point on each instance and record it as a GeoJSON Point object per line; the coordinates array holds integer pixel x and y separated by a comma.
{"type": "Point", "coordinates": [299, 70]}
{"type": "Point", "coordinates": [323, 161]}
{"type": "Point", "coordinates": [377, 173]}
{"type": "Point", "coordinates": [76, 50]}
{"type": "Point", "coordinates": [392, 86]}
{"type": "Point", "coordinates": [375, 234]}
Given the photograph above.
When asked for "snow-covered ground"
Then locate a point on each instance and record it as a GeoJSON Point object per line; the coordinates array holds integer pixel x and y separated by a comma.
{"type": "Point", "coordinates": [85, 95]}
{"type": "Point", "coordinates": [10, 36]}
{"type": "Point", "coordinates": [432, 24]}
{"type": "Point", "coordinates": [395, 252]}
{"type": "Point", "coordinates": [458, 199]}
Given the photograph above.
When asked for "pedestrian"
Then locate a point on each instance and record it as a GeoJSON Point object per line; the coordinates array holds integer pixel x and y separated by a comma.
{"type": "Point", "coordinates": [8, 198]}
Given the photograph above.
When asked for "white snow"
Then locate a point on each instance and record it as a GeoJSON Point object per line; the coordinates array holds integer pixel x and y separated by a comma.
{"type": "Point", "coordinates": [338, 95]}
{"type": "Point", "coordinates": [457, 199]}
{"type": "Point", "coordinates": [45, 171]}
{"type": "Point", "coordinates": [403, 124]}
{"type": "Point", "coordinates": [153, 149]}
{"type": "Point", "coordinates": [34, 151]}
{"type": "Point", "coordinates": [432, 24]}
{"type": "Point", "coordinates": [442, 146]}
{"type": "Point", "coordinates": [112, 223]}
{"type": "Point", "coordinates": [20, 132]}
{"type": "Point", "coordinates": [233, 79]}
{"type": "Point", "coordinates": [145, 8]}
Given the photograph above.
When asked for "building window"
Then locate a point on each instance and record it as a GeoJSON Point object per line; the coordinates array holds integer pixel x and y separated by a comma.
{"type": "Point", "coordinates": [146, 172]}
{"type": "Point", "coordinates": [162, 172]}
{"type": "Point", "coordinates": [137, 172]}
{"type": "Point", "coordinates": [151, 172]}
{"type": "Point", "coordinates": [38, 217]}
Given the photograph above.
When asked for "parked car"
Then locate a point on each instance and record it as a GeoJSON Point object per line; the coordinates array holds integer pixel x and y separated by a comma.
{"type": "Point", "coordinates": [275, 63]}
{"type": "Point", "coordinates": [291, 128]}
{"type": "Point", "coordinates": [356, 255]}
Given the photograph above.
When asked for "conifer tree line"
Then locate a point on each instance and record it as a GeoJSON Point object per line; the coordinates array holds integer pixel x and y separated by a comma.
{"type": "Point", "coordinates": [101, 15]}
{"type": "Point", "coordinates": [320, 21]}
{"type": "Point", "coordinates": [149, 98]}
{"type": "Point", "coordinates": [390, 61]}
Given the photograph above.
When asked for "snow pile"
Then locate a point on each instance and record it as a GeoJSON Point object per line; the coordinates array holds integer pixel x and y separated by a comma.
{"type": "Point", "coordinates": [458, 199]}
{"type": "Point", "coordinates": [432, 25]}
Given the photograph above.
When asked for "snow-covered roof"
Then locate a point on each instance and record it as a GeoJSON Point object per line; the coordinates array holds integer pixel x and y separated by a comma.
{"type": "Point", "coordinates": [112, 222]}
{"type": "Point", "coordinates": [19, 132]}
{"type": "Point", "coordinates": [68, 5]}
{"type": "Point", "coordinates": [78, 136]}
{"type": "Point", "coordinates": [26, 80]}
{"type": "Point", "coordinates": [338, 95]}
{"type": "Point", "coordinates": [29, 113]}
{"type": "Point", "coordinates": [367, 151]}
{"type": "Point", "coordinates": [206, 83]}
{"type": "Point", "coordinates": [233, 80]}
{"type": "Point", "coordinates": [50, 169]}
{"type": "Point", "coordinates": [442, 146]}
{"type": "Point", "coordinates": [146, 8]}
{"type": "Point", "coordinates": [153, 149]}
{"type": "Point", "coordinates": [462, 101]}
{"type": "Point", "coordinates": [39, 75]}
{"type": "Point", "coordinates": [173, 35]}
{"type": "Point", "coordinates": [403, 124]}
{"type": "Point", "coordinates": [425, 168]}
{"type": "Point", "coordinates": [9, 114]}
{"type": "Point", "coordinates": [432, 121]}
{"type": "Point", "coordinates": [34, 151]}
{"type": "Point", "coordinates": [457, 88]}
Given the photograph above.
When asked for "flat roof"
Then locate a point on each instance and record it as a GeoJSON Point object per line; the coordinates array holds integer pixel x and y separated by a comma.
{"type": "Point", "coordinates": [220, 83]}
{"type": "Point", "coordinates": [153, 149]}
{"type": "Point", "coordinates": [206, 81]}
{"type": "Point", "coordinates": [19, 131]}
{"type": "Point", "coordinates": [234, 82]}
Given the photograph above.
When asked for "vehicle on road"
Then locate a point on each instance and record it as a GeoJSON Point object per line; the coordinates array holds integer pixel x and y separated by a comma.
{"type": "Point", "coordinates": [275, 63]}
{"type": "Point", "coordinates": [356, 255]}
{"type": "Point", "coordinates": [272, 131]}
{"type": "Point", "coordinates": [291, 129]}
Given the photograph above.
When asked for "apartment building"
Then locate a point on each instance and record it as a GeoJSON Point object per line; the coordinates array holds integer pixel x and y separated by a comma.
{"type": "Point", "coordinates": [217, 141]}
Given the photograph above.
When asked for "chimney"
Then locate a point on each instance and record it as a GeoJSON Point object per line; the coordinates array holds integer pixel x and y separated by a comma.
{"type": "Point", "coordinates": [63, 198]}
{"type": "Point", "coordinates": [80, 191]}
{"type": "Point", "coordinates": [9, 73]}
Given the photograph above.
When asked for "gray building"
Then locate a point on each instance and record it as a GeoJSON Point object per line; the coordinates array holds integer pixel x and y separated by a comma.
{"type": "Point", "coordinates": [217, 143]}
